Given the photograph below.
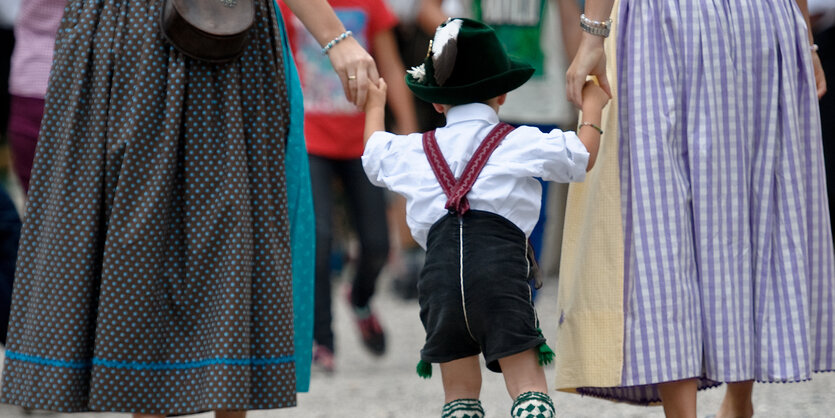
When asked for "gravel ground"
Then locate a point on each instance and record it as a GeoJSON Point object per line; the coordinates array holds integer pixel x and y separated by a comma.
{"type": "Point", "coordinates": [370, 387]}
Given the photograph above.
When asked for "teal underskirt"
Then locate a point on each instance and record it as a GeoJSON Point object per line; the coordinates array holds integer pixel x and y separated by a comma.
{"type": "Point", "coordinates": [302, 222]}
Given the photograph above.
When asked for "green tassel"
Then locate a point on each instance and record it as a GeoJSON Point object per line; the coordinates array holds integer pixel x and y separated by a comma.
{"type": "Point", "coordinates": [544, 353]}
{"type": "Point", "coordinates": [424, 369]}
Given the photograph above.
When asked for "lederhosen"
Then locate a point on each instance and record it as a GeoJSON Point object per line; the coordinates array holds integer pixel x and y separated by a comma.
{"type": "Point", "coordinates": [473, 290]}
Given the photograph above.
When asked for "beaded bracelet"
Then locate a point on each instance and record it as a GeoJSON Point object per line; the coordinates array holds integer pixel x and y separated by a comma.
{"type": "Point", "coordinates": [591, 125]}
{"type": "Point", "coordinates": [814, 47]}
{"type": "Point", "coordinates": [336, 40]}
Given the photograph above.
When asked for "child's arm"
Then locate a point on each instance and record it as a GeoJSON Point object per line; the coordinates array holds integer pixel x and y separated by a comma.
{"type": "Point", "coordinates": [375, 109]}
{"type": "Point", "coordinates": [594, 98]}
{"type": "Point", "coordinates": [391, 67]}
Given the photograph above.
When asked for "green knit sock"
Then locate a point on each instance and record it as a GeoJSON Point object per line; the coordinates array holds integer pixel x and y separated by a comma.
{"type": "Point", "coordinates": [463, 408]}
{"type": "Point", "coordinates": [533, 405]}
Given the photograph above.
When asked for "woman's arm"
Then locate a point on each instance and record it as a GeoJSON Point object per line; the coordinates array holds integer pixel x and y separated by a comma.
{"type": "Point", "coordinates": [569, 25]}
{"type": "Point", "coordinates": [351, 62]}
{"type": "Point", "coordinates": [820, 78]}
{"type": "Point", "coordinates": [590, 58]}
{"type": "Point", "coordinates": [391, 69]}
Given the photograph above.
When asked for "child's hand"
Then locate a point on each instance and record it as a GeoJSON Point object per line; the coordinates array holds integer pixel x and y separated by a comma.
{"type": "Point", "coordinates": [594, 97]}
{"type": "Point", "coordinates": [376, 95]}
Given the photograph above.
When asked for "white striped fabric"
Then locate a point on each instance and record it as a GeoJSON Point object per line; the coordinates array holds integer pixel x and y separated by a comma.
{"type": "Point", "coordinates": [729, 271]}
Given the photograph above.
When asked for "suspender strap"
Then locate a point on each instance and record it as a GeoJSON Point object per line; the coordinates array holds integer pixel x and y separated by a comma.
{"type": "Point", "coordinates": [456, 190]}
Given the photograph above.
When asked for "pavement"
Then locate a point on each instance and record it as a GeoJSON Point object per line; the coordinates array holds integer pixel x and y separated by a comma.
{"type": "Point", "coordinates": [365, 386]}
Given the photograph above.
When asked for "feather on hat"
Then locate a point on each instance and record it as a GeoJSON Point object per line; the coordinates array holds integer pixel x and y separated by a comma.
{"type": "Point", "coordinates": [445, 49]}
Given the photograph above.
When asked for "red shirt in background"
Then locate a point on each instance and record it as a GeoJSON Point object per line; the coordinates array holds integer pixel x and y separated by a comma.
{"type": "Point", "coordinates": [333, 126]}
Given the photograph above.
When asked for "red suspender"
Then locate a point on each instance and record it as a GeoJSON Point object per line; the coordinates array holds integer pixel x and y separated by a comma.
{"type": "Point", "coordinates": [456, 190]}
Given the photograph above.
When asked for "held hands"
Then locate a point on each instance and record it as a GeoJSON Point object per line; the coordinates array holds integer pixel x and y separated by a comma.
{"type": "Point", "coordinates": [590, 60]}
{"type": "Point", "coordinates": [356, 69]}
{"type": "Point", "coordinates": [594, 98]}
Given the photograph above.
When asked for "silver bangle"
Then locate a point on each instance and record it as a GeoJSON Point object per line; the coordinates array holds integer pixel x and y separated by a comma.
{"type": "Point", "coordinates": [595, 27]}
{"type": "Point", "coordinates": [336, 40]}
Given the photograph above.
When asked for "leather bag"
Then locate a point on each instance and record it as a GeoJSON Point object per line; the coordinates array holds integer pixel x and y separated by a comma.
{"type": "Point", "coordinates": [215, 31]}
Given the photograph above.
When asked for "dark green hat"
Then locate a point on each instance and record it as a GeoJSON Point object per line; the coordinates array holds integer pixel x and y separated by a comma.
{"type": "Point", "coordinates": [466, 63]}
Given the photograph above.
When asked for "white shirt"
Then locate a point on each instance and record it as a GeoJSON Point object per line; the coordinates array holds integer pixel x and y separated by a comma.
{"type": "Point", "coordinates": [506, 185]}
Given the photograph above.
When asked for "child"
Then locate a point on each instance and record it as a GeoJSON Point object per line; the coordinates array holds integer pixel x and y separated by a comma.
{"type": "Point", "coordinates": [473, 289]}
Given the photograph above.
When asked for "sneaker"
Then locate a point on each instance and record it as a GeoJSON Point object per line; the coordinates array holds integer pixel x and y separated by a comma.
{"type": "Point", "coordinates": [370, 331]}
{"type": "Point", "coordinates": [323, 358]}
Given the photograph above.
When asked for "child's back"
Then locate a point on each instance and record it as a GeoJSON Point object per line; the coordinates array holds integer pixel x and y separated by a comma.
{"type": "Point", "coordinates": [472, 201]}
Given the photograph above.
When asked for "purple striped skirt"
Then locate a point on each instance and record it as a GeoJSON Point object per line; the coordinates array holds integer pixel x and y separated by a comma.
{"type": "Point", "coordinates": [729, 272]}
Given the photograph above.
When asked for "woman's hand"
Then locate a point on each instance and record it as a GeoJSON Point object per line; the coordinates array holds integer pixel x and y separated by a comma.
{"type": "Point", "coordinates": [590, 60]}
{"type": "Point", "coordinates": [355, 68]}
{"type": "Point", "coordinates": [820, 77]}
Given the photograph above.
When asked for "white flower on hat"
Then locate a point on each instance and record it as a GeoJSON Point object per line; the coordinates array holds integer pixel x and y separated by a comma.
{"type": "Point", "coordinates": [418, 73]}
{"type": "Point", "coordinates": [445, 49]}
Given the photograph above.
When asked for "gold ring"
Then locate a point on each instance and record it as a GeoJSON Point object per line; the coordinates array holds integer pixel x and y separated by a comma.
{"type": "Point", "coordinates": [352, 77]}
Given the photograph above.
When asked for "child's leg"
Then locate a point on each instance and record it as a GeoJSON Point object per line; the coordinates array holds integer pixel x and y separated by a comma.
{"type": "Point", "coordinates": [461, 378]}
{"type": "Point", "coordinates": [462, 386]}
{"type": "Point", "coordinates": [526, 384]}
{"type": "Point", "coordinates": [522, 373]}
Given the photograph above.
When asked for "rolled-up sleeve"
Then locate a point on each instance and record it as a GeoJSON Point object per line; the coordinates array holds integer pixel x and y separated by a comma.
{"type": "Point", "coordinates": [377, 149]}
{"type": "Point", "coordinates": [566, 158]}
{"type": "Point", "coordinates": [556, 156]}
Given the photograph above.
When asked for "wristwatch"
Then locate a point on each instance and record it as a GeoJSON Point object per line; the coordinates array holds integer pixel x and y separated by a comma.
{"type": "Point", "coordinates": [595, 27]}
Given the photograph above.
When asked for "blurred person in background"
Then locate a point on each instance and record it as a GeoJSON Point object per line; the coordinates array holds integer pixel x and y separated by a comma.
{"type": "Point", "coordinates": [9, 218]}
{"type": "Point", "coordinates": [35, 31]}
{"type": "Point", "coordinates": [412, 38]}
{"type": "Point", "coordinates": [333, 134]}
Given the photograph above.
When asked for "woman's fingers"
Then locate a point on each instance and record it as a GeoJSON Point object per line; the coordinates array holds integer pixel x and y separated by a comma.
{"type": "Point", "coordinates": [574, 86]}
{"type": "Point", "coordinates": [355, 69]}
{"type": "Point", "coordinates": [348, 82]}
{"type": "Point", "coordinates": [361, 87]}
{"type": "Point", "coordinates": [590, 60]}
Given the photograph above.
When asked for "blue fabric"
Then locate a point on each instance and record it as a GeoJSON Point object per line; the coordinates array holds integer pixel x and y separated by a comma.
{"type": "Point", "coordinates": [300, 209]}
{"type": "Point", "coordinates": [9, 237]}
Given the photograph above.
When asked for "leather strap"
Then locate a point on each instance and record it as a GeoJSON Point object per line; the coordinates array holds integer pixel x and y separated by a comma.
{"type": "Point", "coordinates": [456, 190]}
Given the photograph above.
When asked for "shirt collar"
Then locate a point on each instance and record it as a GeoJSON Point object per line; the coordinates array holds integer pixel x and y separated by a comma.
{"type": "Point", "coordinates": [471, 111]}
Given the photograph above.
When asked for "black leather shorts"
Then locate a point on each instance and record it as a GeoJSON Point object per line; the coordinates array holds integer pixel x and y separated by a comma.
{"type": "Point", "coordinates": [473, 290]}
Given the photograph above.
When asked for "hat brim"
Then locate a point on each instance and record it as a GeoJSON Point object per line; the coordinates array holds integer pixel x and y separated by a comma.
{"type": "Point", "coordinates": [479, 91]}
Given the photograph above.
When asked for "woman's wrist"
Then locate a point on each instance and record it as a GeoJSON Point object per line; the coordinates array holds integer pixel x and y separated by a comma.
{"type": "Point", "coordinates": [336, 40]}
{"type": "Point", "coordinates": [588, 39]}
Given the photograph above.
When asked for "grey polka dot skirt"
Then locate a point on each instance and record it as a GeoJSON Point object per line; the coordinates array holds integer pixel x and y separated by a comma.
{"type": "Point", "coordinates": [154, 266]}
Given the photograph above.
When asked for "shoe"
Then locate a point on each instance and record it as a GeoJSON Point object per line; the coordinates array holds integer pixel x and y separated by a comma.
{"type": "Point", "coordinates": [323, 358]}
{"type": "Point", "coordinates": [370, 330]}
